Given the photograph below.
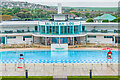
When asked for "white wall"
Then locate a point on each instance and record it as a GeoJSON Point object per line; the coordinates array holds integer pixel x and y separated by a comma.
{"type": "Point", "coordinates": [100, 39]}
{"type": "Point", "coordinates": [99, 28]}
{"type": "Point", "coordinates": [19, 40]}
{"type": "Point", "coordinates": [15, 28]}
{"type": "Point", "coordinates": [59, 17]}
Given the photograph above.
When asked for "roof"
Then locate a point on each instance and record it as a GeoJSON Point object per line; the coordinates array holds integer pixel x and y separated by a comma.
{"type": "Point", "coordinates": [105, 17]}
{"type": "Point", "coordinates": [59, 14]}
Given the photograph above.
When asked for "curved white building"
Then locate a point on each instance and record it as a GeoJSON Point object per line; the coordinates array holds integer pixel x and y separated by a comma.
{"type": "Point", "coordinates": [58, 30]}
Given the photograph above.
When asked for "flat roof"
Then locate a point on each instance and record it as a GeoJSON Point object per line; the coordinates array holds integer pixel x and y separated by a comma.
{"type": "Point", "coordinates": [4, 23]}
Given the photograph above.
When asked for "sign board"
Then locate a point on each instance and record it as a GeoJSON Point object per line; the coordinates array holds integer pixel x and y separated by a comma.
{"type": "Point", "coordinates": [59, 23]}
{"type": "Point", "coordinates": [59, 47]}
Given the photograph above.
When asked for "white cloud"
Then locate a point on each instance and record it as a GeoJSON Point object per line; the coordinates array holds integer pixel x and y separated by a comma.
{"type": "Point", "coordinates": [76, 3]}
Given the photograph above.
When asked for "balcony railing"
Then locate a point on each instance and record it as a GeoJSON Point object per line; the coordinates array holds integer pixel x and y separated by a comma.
{"type": "Point", "coordinates": [36, 32]}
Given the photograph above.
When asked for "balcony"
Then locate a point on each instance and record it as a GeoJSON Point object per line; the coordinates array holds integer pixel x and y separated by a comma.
{"type": "Point", "coordinates": [76, 33]}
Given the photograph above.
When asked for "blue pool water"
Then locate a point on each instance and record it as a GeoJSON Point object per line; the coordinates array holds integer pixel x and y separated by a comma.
{"type": "Point", "coordinates": [47, 56]}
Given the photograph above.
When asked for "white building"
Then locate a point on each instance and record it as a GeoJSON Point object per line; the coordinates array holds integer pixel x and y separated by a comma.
{"type": "Point", "coordinates": [58, 30]}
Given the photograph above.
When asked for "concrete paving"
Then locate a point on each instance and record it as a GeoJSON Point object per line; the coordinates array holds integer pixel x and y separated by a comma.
{"type": "Point", "coordinates": [59, 70]}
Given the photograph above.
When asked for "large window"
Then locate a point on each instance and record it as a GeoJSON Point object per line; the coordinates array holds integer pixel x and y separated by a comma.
{"type": "Point", "coordinates": [42, 29]}
{"type": "Point", "coordinates": [91, 36]}
{"type": "Point", "coordinates": [75, 29]}
{"type": "Point", "coordinates": [61, 29]}
{"type": "Point", "coordinates": [108, 36]}
{"type": "Point", "coordinates": [48, 29]}
{"type": "Point", "coordinates": [69, 29]}
{"type": "Point", "coordinates": [11, 37]}
{"type": "Point", "coordinates": [26, 37]}
{"type": "Point", "coordinates": [57, 29]}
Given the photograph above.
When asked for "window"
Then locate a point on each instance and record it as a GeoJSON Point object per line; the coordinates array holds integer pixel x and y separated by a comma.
{"type": "Point", "coordinates": [26, 37]}
{"type": "Point", "coordinates": [75, 29]}
{"type": "Point", "coordinates": [108, 36]}
{"type": "Point", "coordinates": [43, 29]}
{"type": "Point", "coordinates": [2, 40]}
{"type": "Point", "coordinates": [36, 28]}
{"type": "Point", "coordinates": [91, 36]}
{"type": "Point", "coordinates": [11, 37]}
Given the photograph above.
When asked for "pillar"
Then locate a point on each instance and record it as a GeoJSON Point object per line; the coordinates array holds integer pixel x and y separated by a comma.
{"type": "Point", "coordinates": [45, 29]}
{"type": "Point", "coordinates": [73, 41]}
{"type": "Point", "coordinates": [55, 29]}
{"type": "Point", "coordinates": [73, 29]}
{"type": "Point", "coordinates": [59, 29]}
{"type": "Point", "coordinates": [114, 38]}
{"type": "Point", "coordinates": [5, 39]}
{"type": "Point", "coordinates": [45, 41]}
{"type": "Point", "coordinates": [66, 29]}
{"type": "Point", "coordinates": [59, 40]}
{"type": "Point", "coordinates": [33, 39]}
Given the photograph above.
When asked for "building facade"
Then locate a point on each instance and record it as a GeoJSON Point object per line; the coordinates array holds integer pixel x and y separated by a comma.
{"type": "Point", "coordinates": [58, 30]}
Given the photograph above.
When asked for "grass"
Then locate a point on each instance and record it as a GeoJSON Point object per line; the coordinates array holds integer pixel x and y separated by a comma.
{"type": "Point", "coordinates": [68, 78]}
{"type": "Point", "coordinates": [29, 78]}
{"type": "Point", "coordinates": [93, 78]}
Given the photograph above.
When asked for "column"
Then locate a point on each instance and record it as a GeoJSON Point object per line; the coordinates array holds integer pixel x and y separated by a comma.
{"type": "Point", "coordinates": [59, 29]}
{"type": "Point", "coordinates": [59, 40]}
{"type": "Point", "coordinates": [39, 29]}
{"type": "Point", "coordinates": [45, 41]}
{"type": "Point", "coordinates": [55, 29]}
{"type": "Point", "coordinates": [117, 39]}
{"type": "Point", "coordinates": [6, 40]}
{"type": "Point", "coordinates": [45, 29]}
{"type": "Point", "coordinates": [33, 39]}
{"type": "Point", "coordinates": [73, 41]}
{"type": "Point", "coordinates": [80, 30]}
{"type": "Point", "coordinates": [85, 40]}
{"type": "Point", "coordinates": [52, 29]}
{"type": "Point", "coordinates": [49, 29]}
{"type": "Point", "coordinates": [114, 39]}
{"type": "Point", "coordinates": [73, 29]}
{"type": "Point", "coordinates": [1, 40]}
{"type": "Point", "coordinates": [64, 29]}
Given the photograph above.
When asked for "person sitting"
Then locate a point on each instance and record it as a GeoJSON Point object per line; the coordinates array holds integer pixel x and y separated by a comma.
{"type": "Point", "coordinates": [109, 54]}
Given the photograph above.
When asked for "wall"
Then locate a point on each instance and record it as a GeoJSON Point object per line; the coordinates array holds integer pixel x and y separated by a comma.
{"type": "Point", "coordinates": [15, 28]}
{"type": "Point", "coordinates": [59, 17]}
{"type": "Point", "coordinates": [100, 39]}
{"type": "Point", "coordinates": [99, 28]}
{"type": "Point", "coordinates": [19, 40]}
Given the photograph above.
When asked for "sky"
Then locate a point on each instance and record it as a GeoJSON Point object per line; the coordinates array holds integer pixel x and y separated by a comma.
{"type": "Point", "coordinates": [76, 3]}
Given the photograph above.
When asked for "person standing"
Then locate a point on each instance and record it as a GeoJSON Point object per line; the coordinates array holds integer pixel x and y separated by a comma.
{"type": "Point", "coordinates": [109, 54]}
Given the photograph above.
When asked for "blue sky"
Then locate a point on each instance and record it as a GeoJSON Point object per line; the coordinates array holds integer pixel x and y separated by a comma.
{"type": "Point", "coordinates": [76, 3]}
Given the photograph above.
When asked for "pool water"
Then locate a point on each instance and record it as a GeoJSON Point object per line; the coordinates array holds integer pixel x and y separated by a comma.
{"type": "Point", "coordinates": [48, 56]}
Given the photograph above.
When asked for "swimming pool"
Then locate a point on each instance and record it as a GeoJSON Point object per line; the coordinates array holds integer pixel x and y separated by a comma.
{"type": "Point", "coordinates": [48, 56]}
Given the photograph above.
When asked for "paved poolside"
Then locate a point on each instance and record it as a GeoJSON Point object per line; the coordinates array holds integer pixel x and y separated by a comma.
{"type": "Point", "coordinates": [60, 70]}
{"type": "Point", "coordinates": [82, 48]}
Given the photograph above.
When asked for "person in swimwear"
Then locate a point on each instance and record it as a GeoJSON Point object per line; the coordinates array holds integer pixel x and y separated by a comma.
{"type": "Point", "coordinates": [109, 54]}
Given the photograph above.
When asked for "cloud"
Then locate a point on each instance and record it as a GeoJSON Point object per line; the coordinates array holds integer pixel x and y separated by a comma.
{"type": "Point", "coordinates": [76, 3]}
